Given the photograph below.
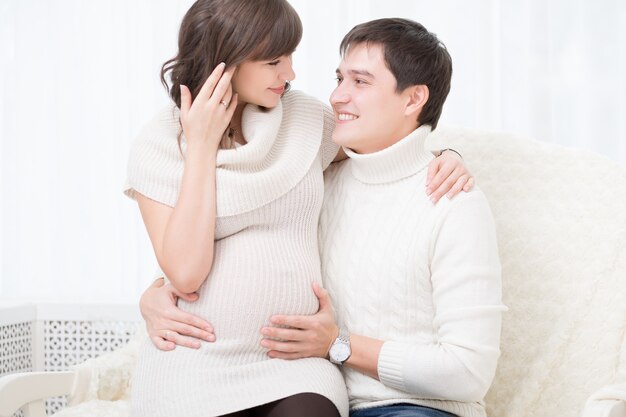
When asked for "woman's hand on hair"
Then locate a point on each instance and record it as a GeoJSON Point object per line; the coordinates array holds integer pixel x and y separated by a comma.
{"type": "Point", "coordinates": [167, 324]}
{"type": "Point", "coordinates": [305, 336]}
{"type": "Point", "coordinates": [447, 175]}
{"type": "Point", "coordinates": [206, 119]}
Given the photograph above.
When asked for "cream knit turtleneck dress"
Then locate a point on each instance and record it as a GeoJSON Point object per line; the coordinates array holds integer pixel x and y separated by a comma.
{"type": "Point", "coordinates": [423, 277]}
{"type": "Point", "coordinates": [269, 195]}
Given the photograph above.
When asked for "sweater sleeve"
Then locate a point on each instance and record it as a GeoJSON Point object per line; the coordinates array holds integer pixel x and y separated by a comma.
{"type": "Point", "coordinates": [329, 149]}
{"type": "Point", "coordinates": [155, 163]}
{"type": "Point", "coordinates": [461, 361]}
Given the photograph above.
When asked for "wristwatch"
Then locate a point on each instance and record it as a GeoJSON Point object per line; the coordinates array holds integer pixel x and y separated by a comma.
{"type": "Point", "coordinates": [340, 349]}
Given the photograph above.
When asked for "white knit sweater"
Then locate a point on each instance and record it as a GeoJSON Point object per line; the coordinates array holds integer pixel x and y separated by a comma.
{"type": "Point", "coordinates": [424, 278]}
{"type": "Point", "coordinates": [269, 194]}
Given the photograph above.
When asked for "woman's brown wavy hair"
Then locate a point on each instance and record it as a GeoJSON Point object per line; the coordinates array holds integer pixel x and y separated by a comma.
{"type": "Point", "coordinates": [229, 31]}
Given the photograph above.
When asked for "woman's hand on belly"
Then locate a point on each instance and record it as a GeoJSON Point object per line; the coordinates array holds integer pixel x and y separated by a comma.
{"type": "Point", "coordinates": [167, 324]}
{"type": "Point", "coordinates": [306, 336]}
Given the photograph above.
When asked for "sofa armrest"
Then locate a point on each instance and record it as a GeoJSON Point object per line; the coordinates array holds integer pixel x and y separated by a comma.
{"type": "Point", "coordinates": [608, 401]}
{"type": "Point", "coordinates": [605, 408]}
{"type": "Point", "coordinates": [29, 390]}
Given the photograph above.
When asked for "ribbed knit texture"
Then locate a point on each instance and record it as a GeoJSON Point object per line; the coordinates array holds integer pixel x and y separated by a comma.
{"type": "Point", "coordinates": [269, 194]}
{"type": "Point", "coordinates": [424, 278]}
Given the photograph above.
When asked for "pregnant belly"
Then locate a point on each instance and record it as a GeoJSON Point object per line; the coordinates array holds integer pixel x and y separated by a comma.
{"type": "Point", "coordinates": [245, 289]}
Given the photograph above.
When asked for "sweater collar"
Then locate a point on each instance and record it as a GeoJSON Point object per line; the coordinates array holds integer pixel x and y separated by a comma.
{"type": "Point", "coordinates": [400, 160]}
{"type": "Point", "coordinates": [282, 145]}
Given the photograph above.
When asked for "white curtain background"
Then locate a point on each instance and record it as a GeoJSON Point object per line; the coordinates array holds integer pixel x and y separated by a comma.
{"type": "Point", "coordinates": [79, 78]}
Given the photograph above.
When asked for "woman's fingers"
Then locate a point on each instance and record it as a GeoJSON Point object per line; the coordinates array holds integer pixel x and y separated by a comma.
{"type": "Point", "coordinates": [209, 85]}
{"type": "Point", "coordinates": [222, 87]}
{"type": "Point", "coordinates": [185, 100]}
{"type": "Point", "coordinates": [446, 185]}
{"type": "Point", "coordinates": [232, 106]}
{"type": "Point", "coordinates": [443, 172]}
{"type": "Point", "coordinates": [211, 111]}
{"type": "Point", "coordinates": [433, 167]}
{"type": "Point", "coordinates": [225, 101]}
{"type": "Point", "coordinates": [458, 185]}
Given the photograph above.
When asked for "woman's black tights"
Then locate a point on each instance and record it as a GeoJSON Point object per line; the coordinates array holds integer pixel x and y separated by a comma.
{"type": "Point", "coordinates": [299, 405]}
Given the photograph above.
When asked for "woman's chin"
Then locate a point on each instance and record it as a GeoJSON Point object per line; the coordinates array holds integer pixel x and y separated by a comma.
{"type": "Point", "coordinates": [271, 102]}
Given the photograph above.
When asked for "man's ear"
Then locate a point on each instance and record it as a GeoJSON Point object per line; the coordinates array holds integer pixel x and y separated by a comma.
{"type": "Point", "coordinates": [417, 98]}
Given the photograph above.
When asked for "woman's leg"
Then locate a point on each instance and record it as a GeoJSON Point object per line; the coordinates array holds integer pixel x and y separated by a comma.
{"type": "Point", "coordinates": [301, 405]}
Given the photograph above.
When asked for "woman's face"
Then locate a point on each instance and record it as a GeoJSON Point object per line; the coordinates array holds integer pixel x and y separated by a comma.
{"type": "Point", "coordinates": [263, 82]}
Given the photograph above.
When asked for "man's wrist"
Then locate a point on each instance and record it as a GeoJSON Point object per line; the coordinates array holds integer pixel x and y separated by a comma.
{"type": "Point", "coordinates": [335, 335]}
{"type": "Point", "coordinates": [340, 350]}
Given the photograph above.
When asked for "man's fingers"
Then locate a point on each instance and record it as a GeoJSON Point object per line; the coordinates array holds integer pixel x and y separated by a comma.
{"type": "Point", "coordinates": [180, 340]}
{"type": "Point", "coordinates": [185, 329]}
{"type": "Point", "coordinates": [298, 322]}
{"type": "Point", "coordinates": [177, 315]}
{"type": "Point", "coordinates": [162, 344]}
{"type": "Point", "coordinates": [281, 355]}
{"type": "Point", "coordinates": [283, 334]}
{"type": "Point", "coordinates": [209, 85]}
{"type": "Point", "coordinates": [287, 347]}
{"type": "Point", "coordinates": [322, 296]}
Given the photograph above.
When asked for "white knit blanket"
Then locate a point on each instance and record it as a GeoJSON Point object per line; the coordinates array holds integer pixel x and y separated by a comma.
{"type": "Point", "coordinates": [102, 385]}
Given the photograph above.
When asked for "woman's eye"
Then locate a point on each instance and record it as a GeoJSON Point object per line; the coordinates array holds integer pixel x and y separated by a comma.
{"type": "Point", "coordinates": [338, 79]}
{"type": "Point", "coordinates": [274, 63]}
{"type": "Point", "coordinates": [358, 81]}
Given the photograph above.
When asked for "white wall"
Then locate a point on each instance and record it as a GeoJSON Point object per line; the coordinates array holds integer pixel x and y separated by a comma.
{"type": "Point", "coordinates": [78, 79]}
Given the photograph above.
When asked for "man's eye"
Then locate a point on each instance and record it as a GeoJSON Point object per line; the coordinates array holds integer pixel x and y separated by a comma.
{"type": "Point", "coordinates": [339, 80]}
{"type": "Point", "coordinates": [274, 63]}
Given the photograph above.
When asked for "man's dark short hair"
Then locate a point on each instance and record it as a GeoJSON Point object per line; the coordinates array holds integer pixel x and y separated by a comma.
{"type": "Point", "coordinates": [414, 56]}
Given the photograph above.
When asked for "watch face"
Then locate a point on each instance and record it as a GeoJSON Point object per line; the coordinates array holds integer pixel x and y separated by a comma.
{"type": "Point", "coordinates": [339, 352]}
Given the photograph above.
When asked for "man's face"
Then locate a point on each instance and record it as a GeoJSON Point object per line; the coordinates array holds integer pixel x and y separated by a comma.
{"type": "Point", "coordinates": [369, 114]}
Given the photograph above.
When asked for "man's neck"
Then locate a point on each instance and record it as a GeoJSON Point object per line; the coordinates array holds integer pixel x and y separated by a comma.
{"type": "Point", "coordinates": [385, 143]}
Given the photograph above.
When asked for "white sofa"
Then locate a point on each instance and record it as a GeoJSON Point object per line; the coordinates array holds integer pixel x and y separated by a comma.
{"type": "Point", "coordinates": [561, 221]}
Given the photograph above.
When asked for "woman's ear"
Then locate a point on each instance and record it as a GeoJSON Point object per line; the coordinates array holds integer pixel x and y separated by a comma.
{"type": "Point", "coordinates": [417, 98]}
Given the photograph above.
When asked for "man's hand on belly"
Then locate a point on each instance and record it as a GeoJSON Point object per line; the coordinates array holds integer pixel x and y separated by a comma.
{"type": "Point", "coordinates": [167, 324]}
{"type": "Point", "coordinates": [307, 336]}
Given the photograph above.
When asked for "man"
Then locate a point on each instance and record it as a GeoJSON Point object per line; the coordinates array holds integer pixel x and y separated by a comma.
{"type": "Point", "coordinates": [416, 285]}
